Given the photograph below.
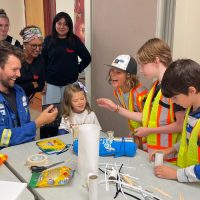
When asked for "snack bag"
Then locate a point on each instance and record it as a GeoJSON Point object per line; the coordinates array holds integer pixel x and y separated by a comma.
{"type": "Point", "coordinates": [51, 146]}
{"type": "Point", "coordinates": [52, 177]}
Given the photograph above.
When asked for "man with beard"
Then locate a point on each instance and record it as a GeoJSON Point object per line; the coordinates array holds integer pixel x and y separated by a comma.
{"type": "Point", "coordinates": [15, 124]}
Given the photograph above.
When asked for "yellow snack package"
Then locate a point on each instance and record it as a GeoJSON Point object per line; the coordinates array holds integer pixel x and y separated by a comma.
{"type": "Point", "coordinates": [53, 177]}
{"type": "Point", "coordinates": [51, 146]}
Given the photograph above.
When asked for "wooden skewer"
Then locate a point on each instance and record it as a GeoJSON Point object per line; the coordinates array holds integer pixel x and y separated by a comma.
{"type": "Point", "coordinates": [181, 197]}
{"type": "Point", "coordinates": [161, 191]}
{"type": "Point", "coordinates": [128, 180]}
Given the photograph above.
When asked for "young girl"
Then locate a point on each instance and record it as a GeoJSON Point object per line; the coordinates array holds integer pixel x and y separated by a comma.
{"type": "Point", "coordinates": [75, 109]}
{"type": "Point", "coordinates": [128, 91]}
{"type": "Point", "coordinates": [161, 119]}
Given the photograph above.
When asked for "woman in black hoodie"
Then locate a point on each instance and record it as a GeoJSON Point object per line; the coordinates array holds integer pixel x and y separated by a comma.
{"type": "Point", "coordinates": [62, 50]}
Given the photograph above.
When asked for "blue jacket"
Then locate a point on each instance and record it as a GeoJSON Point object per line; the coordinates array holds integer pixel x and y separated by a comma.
{"type": "Point", "coordinates": [10, 134]}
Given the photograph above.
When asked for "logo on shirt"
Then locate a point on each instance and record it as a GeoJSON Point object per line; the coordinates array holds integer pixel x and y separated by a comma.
{"type": "Point", "coordinates": [35, 77]}
{"type": "Point", "coordinates": [69, 50]}
{"type": "Point", "coordinates": [2, 109]}
{"type": "Point", "coordinates": [24, 102]}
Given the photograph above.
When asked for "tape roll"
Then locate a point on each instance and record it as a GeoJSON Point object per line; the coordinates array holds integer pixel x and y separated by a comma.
{"type": "Point", "coordinates": [37, 160]}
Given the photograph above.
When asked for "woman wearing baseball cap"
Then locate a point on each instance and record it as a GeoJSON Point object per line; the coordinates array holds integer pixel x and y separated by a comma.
{"type": "Point", "coordinates": [129, 92]}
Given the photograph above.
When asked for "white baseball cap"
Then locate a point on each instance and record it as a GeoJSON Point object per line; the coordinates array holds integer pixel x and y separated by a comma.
{"type": "Point", "coordinates": [126, 63]}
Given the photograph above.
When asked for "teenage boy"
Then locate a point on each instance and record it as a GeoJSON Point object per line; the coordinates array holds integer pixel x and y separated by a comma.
{"type": "Point", "coordinates": [181, 83]}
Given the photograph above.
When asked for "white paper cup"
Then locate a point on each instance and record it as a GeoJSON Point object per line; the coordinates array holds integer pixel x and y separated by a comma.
{"type": "Point", "coordinates": [158, 158]}
{"type": "Point", "coordinates": [93, 187]}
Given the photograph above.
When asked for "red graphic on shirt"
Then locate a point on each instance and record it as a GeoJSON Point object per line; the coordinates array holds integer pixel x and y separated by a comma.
{"type": "Point", "coordinates": [69, 50]}
{"type": "Point", "coordinates": [35, 77]}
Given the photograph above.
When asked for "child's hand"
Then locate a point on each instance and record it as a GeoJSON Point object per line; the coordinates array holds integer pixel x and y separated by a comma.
{"type": "Point", "coordinates": [166, 172]}
{"type": "Point", "coordinates": [141, 132]}
{"type": "Point", "coordinates": [165, 152]}
{"type": "Point", "coordinates": [107, 103]}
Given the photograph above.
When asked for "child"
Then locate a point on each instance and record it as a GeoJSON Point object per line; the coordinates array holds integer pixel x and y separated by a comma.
{"type": "Point", "coordinates": [128, 91]}
{"type": "Point", "coordinates": [162, 120]}
{"type": "Point", "coordinates": [75, 109]}
{"type": "Point", "coordinates": [184, 89]}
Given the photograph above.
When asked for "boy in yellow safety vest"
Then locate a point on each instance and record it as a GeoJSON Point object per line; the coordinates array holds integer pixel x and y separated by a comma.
{"type": "Point", "coordinates": [162, 120]}
{"type": "Point", "coordinates": [181, 83]}
{"type": "Point", "coordinates": [129, 92]}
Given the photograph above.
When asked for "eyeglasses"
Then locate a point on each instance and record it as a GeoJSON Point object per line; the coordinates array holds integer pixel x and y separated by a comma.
{"type": "Point", "coordinates": [34, 46]}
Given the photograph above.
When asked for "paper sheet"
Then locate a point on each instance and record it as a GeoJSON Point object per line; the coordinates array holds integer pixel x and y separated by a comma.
{"type": "Point", "coordinates": [88, 149]}
{"type": "Point", "coordinates": [11, 190]}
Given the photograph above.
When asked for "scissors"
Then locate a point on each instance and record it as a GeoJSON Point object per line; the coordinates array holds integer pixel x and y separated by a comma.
{"type": "Point", "coordinates": [42, 168]}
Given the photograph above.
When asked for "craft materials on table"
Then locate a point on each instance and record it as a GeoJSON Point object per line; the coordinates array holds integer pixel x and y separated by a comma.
{"type": "Point", "coordinates": [52, 177]}
{"type": "Point", "coordinates": [42, 168]}
{"type": "Point", "coordinates": [88, 150]}
{"type": "Point", "coordinates": [93, 186]}
{"type": "Point", "coordinates": [3, 158]}
{"type": "Point", "coordinates": [125, 183]}
{"type": "Point", "coordinates": [52, 146]}
{"type": "Point", "coordinates": [37, 160]}
{"type": "Point", "coordinates": [158, 158]}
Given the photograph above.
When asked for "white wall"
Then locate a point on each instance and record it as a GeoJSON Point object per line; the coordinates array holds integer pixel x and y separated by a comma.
{"type": "Point", "coordinates": [187, 28]}
{"type": "Point", "coordinates": [65, 6]}
{"type": "Point", "coordinates": [118, 27]}
{"type": "Point", "coordinates": [16, 13]}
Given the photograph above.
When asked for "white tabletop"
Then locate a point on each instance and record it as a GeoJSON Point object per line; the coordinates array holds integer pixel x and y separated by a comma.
{"type": "Point", "coordinates": [143, 170]}
{"type": "Point", "coordinates": [7, 175]}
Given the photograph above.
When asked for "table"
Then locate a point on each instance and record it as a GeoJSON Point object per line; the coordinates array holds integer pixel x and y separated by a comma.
{"type": "Point", "coordinates": [7, 175]}
{"type": "Point", "coordinates": [143, 170]}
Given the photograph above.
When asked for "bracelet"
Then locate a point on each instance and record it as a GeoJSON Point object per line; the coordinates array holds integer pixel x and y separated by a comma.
{"type": "Point", "coordinates": [117, 109]}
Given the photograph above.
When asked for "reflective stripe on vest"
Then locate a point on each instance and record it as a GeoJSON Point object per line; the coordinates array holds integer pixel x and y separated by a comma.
{"type": "Point", "coordinates": [5, 138]}
{"type": "Point", "coordinates": [189, 152]}
{"type": "Point", "coordinates": [13, 41]}
{"type": "Point", "coordinates": [156, 115]}
{"type": "Point", "coordinates": [135, 102]}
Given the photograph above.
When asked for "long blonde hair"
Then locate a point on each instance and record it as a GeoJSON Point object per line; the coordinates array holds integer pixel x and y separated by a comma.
{"type": "Point", "coordinates": [66, 104]}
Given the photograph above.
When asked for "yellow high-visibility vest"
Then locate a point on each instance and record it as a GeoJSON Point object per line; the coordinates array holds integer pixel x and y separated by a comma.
{"type": "Point", "coordinates": [135, 102]}
{"type": "Point", "coordinates": [156, 115]}
{"type": "Point", "coordinates": [189, 153]}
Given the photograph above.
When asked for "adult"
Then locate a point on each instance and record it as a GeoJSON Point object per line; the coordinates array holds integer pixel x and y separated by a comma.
{"type": "Point", "coordinates": [4, 28]}
{"type": "Point", "coordinates": [32, 77]}
{"type": "Point", "coordinates": [15, 124]}
{"type": "Point", "coordinates": [62, 50]}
